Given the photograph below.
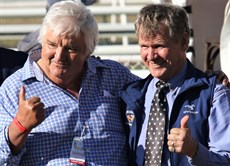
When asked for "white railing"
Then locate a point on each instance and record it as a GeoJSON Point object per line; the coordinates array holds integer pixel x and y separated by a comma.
{"type": "Point", "coordinates": [117, 30]}
{"type": "Point", "coordinates": [106, 29]}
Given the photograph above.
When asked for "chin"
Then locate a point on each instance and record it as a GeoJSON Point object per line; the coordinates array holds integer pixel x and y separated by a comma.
{"type": "Point", "coordinates": [58, 75]}
{"type": "Point", "coordinates": [158, 73]}
{"type": "Point", "coordinates": [58, 71]}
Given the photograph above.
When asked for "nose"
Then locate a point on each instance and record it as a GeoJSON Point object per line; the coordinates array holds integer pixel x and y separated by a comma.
{"type": "Point", "coordinates": [152, 54]}
{"type": "Point", "coordinates": [60, 53]}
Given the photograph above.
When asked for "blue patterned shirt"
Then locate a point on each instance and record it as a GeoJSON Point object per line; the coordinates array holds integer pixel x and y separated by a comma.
{"type": "Point", "coordinates": [98, 108]}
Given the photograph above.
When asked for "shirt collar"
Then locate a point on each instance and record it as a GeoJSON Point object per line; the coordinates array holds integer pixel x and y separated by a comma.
{"type": "Point", "coordinates": [31, 68]}
{"type": "Point", "coordinates": [93, 64]}
{"type": "Point", "coordinates": [179, 78]}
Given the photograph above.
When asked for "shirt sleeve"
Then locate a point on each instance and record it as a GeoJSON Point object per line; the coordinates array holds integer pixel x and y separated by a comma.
{"type": "Point", "coordinates": [6, 157]}
{"type": "Point", "coordinates": [6, 116]}
{"type": "Point", "coordinates": [218, 153]}
{"type": "Point", "coordinates": [130, 77]}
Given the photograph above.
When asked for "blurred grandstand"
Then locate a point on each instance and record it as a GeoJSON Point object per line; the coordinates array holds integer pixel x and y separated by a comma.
{"type": "Point", "coordinates": [115, 19]}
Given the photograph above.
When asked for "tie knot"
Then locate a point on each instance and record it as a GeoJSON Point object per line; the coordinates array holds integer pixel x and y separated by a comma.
{"type": "Point", "coordinates": [161, 85]}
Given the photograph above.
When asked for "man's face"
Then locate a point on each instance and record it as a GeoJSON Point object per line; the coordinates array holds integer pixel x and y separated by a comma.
{"type": "Point", "coordinates": [163, 56]}
{"type": "Point", "coordinates": [63, 58]}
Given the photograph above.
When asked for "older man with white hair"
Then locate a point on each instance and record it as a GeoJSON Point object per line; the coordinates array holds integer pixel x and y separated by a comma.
{"type": "Point", "coordinates": [30, 42]}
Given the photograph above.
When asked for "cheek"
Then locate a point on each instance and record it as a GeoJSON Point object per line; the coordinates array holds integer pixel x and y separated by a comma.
{"type": "Point", "coordinates": [75, 58]}
{"type": "Point", "coordinates": [76, 61]}
{"type": "Point", "coordinates": [48, 53]}
{"type": "Point", "coordinates": [144, 55]}
{"type": "Point", "coordinates": [164, 53]}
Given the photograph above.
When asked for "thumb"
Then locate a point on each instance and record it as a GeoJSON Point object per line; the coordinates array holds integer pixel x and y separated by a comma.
{"type": "Point", "coordinates": [184, 122]}
{"type": "Point", "coordinates": [22, 94]}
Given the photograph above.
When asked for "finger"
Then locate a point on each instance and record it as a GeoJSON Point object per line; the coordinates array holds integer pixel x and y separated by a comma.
{"type": "Point", "coordinates": [39, 106]}
{"type": "Point", "coordinates": [174, 132]}
{"type": "Point", "coordinates": [171, 143]}
{"type": "Point", "coordinates": [34, 100]}
{"type": "Point", "coordinates": [22, 94]}
{"type": "Point", "coordinates": [172, 149]}
{"type": "Point", "coordinates": [184, 122]}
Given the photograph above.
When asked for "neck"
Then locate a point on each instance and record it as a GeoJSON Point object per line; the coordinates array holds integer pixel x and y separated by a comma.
{"type": "Point", "coordinates": [71, 84]}
{"type": "Point", "coordinates": [74, 92]}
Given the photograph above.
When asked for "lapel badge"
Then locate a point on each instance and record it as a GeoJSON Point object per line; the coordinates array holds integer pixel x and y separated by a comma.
{"type": "Point", "coordinates": [130, 117]}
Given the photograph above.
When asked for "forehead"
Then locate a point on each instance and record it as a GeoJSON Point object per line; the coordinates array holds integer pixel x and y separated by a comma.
{"type": "Point", "coordinates": [151, 31]}
{"type": "Point", "coordinates": [156, 38]}
{"type": "Point", "coordinates": [51, 35]}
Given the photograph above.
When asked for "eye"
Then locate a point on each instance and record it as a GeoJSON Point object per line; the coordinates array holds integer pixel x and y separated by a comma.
{"type": "Point", "coordinates": [159, 46]}
{"type": "Point", "coordinates": [144, 47]}
{"type": "Point", "coordinates": [51, 45]}
{"type": "Point", "coordinates": [70, 50]}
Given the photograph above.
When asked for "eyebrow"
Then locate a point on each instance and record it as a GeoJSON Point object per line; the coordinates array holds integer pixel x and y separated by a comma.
{"type": "Point", "coordinates": [51, 41]}
{"type": "Point", "coordinates": [72, 47]}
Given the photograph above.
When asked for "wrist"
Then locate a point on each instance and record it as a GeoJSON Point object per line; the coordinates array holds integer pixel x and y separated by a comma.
{"type": "Point", "coordinates": [20, 126]}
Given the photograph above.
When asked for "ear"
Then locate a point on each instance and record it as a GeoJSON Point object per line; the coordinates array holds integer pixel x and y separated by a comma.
{"type": "Point", "coordinates": [185, 41]}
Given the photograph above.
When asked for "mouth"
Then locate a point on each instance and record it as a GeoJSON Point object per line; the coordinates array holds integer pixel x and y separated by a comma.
{"type": "Point", "coordinates": [156, 64]}
{"type": "Point", "coordinates": [61, 64]}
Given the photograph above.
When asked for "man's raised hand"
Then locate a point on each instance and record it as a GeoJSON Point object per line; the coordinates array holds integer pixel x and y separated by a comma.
{"type": "Point", "coordinates": [31, 112]}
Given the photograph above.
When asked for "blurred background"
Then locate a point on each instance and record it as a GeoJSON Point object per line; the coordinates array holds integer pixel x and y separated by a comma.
{"type": "Point", "coordinates": [116, 26]}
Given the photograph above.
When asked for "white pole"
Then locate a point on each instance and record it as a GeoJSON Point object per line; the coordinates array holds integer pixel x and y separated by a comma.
{"type": "Point", "coordinates": [225, 42]}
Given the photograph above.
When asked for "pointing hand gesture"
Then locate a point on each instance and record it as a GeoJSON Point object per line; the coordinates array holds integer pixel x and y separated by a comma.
{"type": "Point", "coordinates": [180, 139]}
{"type": "Point", "coordinates": [31, 112]}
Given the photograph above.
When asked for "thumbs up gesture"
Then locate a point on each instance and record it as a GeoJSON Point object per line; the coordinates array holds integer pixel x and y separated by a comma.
{"type": "Point", "coordinates": [180, 139]}
{"type": "Point", "coordinates": [31, 112]}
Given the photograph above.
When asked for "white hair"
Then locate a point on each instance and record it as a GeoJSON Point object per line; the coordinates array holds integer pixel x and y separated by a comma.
{"type": "Point", "coordinates": [70, 18]}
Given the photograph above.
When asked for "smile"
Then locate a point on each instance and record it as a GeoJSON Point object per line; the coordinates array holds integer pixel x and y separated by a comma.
{"type": "Point", "coordinates": [61, 64]}
{"type": "Point", "coordinates": [156, 64]}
